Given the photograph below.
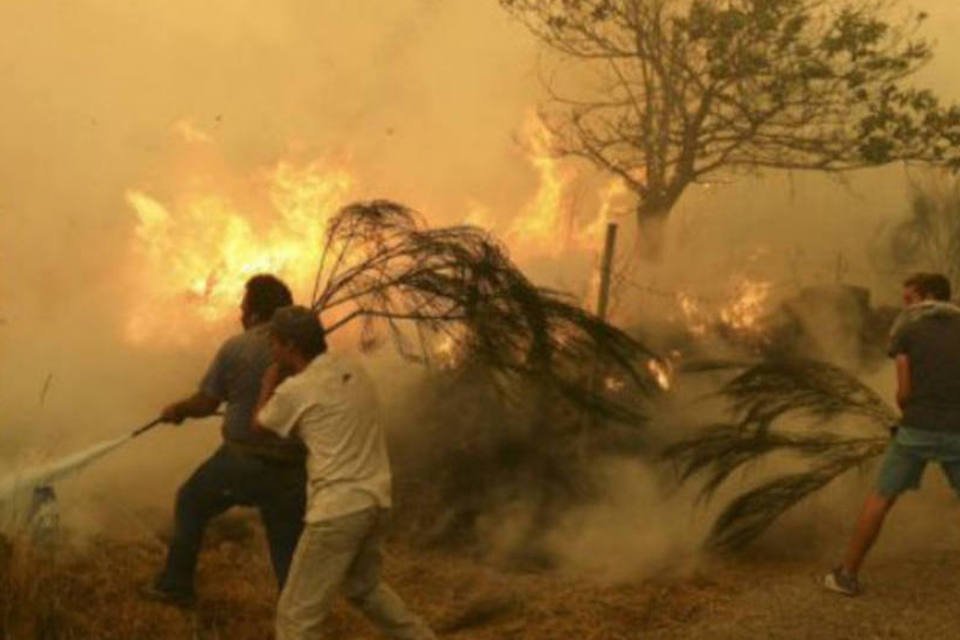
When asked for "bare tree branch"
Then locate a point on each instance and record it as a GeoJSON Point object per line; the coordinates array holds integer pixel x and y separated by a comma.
{"type": "Point", "coordinates": [690, 88]}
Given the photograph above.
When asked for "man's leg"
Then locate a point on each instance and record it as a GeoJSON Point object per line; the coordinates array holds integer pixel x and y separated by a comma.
{"type": "Point", "coordinates": [951, 467]}
{"type": "Point", "coordinates": [376, 599]}
{"type": "Point", "coordinates": [874, 511]}
{"type": "Point", "coordinates": [901, 469]}
{"type": "Point", "coordinates": [282, 510]}
{"type": "Point", "coordinates": [323, 555]}
{"type": "Point", "coordinates": [204, 495]}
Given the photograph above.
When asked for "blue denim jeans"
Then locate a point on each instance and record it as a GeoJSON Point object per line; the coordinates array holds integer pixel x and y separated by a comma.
{"type": "Point", "coordinates": [907, 457]}
{"type": "Point", "coordinates": [229, 479]}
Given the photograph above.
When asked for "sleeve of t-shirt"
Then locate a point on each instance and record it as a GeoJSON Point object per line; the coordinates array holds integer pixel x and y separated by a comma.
{"type": "Point", "coordinates": [281, 412]}
{"type": "Point", "coordinates": [214, 383]}
{"type": "Point", "coordinates": [899, 342]}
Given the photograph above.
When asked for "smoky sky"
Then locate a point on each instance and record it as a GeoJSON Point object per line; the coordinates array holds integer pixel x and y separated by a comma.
{"type": "Point", "coordinates": [425, 98]}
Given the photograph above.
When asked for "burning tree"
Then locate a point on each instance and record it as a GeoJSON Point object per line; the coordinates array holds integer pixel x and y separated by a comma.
{"type": "Point", "coordinates": [798, 407]}
{"type": "Point", "coordinates": [689, 89]}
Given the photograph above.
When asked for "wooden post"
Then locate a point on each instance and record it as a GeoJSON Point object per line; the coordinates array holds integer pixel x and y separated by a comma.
{"type": "Point", "coordinates": [603, 302]}
{"type": "Point", "coordinates": [606, 266]}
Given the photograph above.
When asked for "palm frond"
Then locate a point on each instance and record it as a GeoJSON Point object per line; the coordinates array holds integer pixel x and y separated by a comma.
{"type": "Point", "coordinates": [815, 397]}
{"type": "Point", "coordinates": [772, 389]}
{"type": "Point", "coordinates": [751, 513]}
{"type": "Point", "coordinates": [721, 449]}
{"type": "Point", "coordinates": [382, 267]}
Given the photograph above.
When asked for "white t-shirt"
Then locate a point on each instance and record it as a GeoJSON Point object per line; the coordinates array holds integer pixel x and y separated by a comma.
{"type": "Point", "coordinates": [332, 406]}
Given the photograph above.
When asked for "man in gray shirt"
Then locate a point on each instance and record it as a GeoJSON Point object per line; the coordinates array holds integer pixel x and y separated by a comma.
{"type": "Point", "coordinates": [925, 345]}
{"type": "Point", "coordinates": [250, 468]}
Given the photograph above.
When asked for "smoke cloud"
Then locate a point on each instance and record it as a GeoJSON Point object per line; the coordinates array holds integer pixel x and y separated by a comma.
{"type": "Point", "coordinates": [424, 101]}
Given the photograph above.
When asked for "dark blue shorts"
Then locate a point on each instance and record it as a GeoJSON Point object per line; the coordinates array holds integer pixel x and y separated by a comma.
{"type": "Point", "coordinates": [908, 454]}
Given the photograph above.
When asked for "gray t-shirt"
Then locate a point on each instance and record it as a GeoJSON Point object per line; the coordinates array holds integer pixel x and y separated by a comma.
{"type": "Point", "coordinates": [929, 335]}
{"type": "Point", "coordinates": [234, 377]}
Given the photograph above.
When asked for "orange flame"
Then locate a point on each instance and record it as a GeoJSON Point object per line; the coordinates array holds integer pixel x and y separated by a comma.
{"type": "Point", "coordinates": [662, 372]}
{"type": "Point", "coordinates": [201, 250]}
{"type": "Point", "coordinates": [698, 320]}
{"type": "Point", "coordinates": [745, 312]}
{"type": "Point", "coordinates": [742, 312]}
{"type": "Point", "coordinates": [192, 253]}
{"type": "Point", "coordinates": [540, 223]}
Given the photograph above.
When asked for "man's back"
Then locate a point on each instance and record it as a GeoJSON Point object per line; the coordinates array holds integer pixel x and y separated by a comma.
{"type": "Point", "coordinates": [929, 335]}
{"type": "Point", "coordinates": [234, 377]}
{"type": "Point", "coordinates": [333, 407]}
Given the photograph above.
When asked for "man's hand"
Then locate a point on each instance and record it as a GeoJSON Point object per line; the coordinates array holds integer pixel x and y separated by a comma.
{"type": "Point", "coordinates": [199, 405]}
{"type": "Point", "coordinates": [174, 413]}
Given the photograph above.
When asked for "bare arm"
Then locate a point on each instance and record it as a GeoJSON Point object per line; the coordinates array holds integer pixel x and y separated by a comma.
{"type": "Point", "coordinates": [199, 405]}
{"type": "Point", "coordinates": [904, 387]}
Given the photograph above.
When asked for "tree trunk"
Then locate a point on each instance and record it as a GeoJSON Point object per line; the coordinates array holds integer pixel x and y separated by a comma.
{"type": "Point", "coordinates": [651, 232]}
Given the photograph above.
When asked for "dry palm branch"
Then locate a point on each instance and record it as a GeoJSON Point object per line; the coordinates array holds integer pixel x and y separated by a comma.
{"type": "Point", "coordinates": [382, 267]}
{"type": "Point", "coordinates": [819, 401]}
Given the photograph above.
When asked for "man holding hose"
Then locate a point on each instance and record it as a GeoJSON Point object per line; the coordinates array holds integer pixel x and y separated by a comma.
{"type": "Point", "coordinates": [250, 468]}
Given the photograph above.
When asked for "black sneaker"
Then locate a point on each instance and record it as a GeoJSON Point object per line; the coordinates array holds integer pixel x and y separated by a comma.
{"type": "Point", "coordinates": [842, 582]}
{"type": "Point", "coordinates": [163, 595]}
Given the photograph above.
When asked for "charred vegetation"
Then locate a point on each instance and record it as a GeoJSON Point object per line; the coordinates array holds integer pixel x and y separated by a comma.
{"type": "Point", "coordinates": [525, 385]}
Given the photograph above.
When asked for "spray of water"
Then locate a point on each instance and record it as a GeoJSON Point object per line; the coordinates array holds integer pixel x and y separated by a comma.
{"type": "Point", "coordinates": [19, 491]}
{"type": "Point", "coordinates": [27, 480]}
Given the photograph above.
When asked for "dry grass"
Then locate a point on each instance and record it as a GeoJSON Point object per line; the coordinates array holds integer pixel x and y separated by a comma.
{"type": "Point", "coordinates": [89, 590]}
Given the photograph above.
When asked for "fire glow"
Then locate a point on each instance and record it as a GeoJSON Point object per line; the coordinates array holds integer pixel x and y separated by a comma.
{"type": "Point", "coordinates": [546, 225]}
{"type": "Point", "coordinates": [742, 312]}
{"type": "Point", "coordinates": [540, 220]}
{"type": "Point", "coordinates": [203, 249]}
{"type": "Point", "coordinates": [662, 372]}
{"type": "Point", "coordinates": [192, 253]}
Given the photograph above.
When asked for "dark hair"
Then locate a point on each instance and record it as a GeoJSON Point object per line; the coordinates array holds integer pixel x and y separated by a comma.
{"type": "Point", "coordinates": [265, 294]}
{"type": "Point", "coordinates": [301, 327]}
{"type": "Point", "coordinates": [930, 285]}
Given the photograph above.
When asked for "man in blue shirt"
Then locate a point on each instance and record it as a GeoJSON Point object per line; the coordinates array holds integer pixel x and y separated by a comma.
{"type": "Point", "coordinates": [925, 344]}
{"type": "Point", "coordinates": [250, 468]}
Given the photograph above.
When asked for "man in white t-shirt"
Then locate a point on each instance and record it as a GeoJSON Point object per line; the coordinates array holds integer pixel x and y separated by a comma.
{"type": "Point", "coordinates": [330, 403]}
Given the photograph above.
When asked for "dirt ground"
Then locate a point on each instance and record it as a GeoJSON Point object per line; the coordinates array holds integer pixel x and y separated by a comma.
{"type": "Point", "coordinates": [90, 592]}
{"type": "Point", "coordinates": [905, 598]}
{"type": "Point", "coordinates": [88, 589]}
{"type": "Point", "coordinates": [773, 590]}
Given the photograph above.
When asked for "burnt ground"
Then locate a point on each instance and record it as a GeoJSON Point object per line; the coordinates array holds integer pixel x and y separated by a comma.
{"type": "Point", "coordinates": [87, 588]}
{"type": "Point", "coordinates": [89, 591]}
